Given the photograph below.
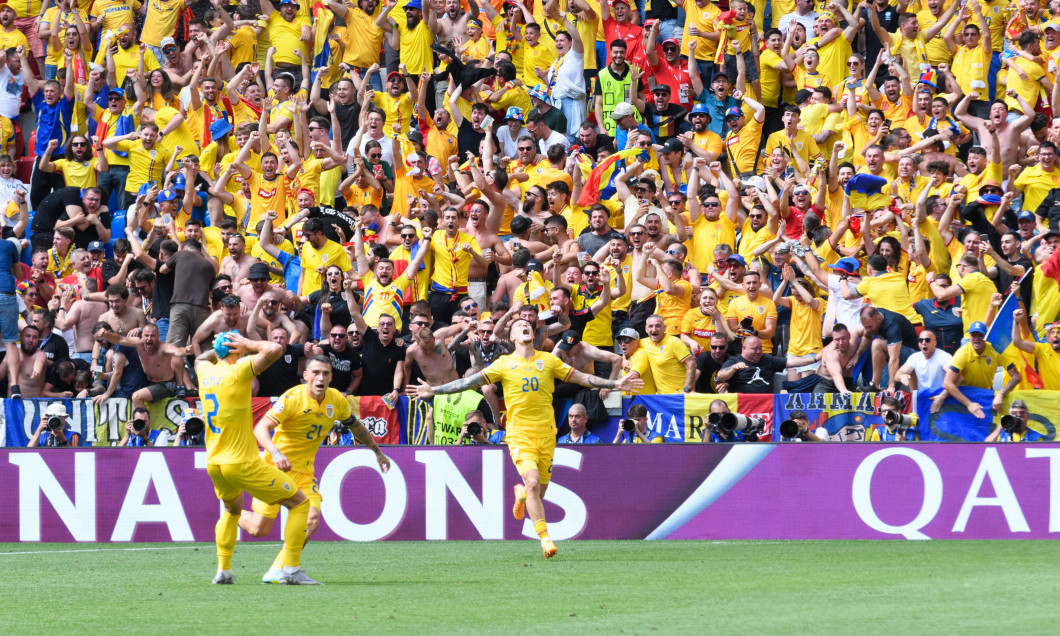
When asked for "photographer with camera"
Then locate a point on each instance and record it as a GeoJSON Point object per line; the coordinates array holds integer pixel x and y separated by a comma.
{"type": "Point", "coordinates": [340, 435]}
{"type": "Point", "coordinates": [191, 431]}
{"type": "Point", "coordinates": [138, 432]}
{"type": "Point", "coordinates": [797, 429]}
{"type": "Point", "coordinates": [727, 427]}
{"type": "Point", "coordinates": [1013, 427]}
{"type": "Point", "coordinates": [635, 429]}
{"type": "Point", "coordinates": [717, 433]}
{"type": "Point", "coordinates": [51, 432]}
{"type": "Point", "coordinates": [896, 427]}
{"type": "Point", "coordinates": [476, 431]}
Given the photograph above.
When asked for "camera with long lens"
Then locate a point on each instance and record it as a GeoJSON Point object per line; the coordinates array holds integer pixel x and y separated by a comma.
{"type": "Point", "coordinates": [194, 426]}
{"type": "Point", "coordinates": [55, 423]}
{"type": "Point", "coordinates": [1010, 424]}
{"type": "Point", "coordinates": [751, 427]}
{"type": "Point", "coordinates": [789, 429]}
{"type": "Point", "coordinates": [474, 429]}
{"type": "Point", "coordinates": [714, 419]}
{"type": "Point", "coordinates": [340, 429]}
{"type": "Point", "coordinates": [900, 421]}
{"type": "Point", "coordinates": [140, 425]}
{"type": "Point", "coordinates": [627, 425]}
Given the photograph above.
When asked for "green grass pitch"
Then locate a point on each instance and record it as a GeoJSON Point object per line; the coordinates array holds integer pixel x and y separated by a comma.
{"type": "Point", "coordinates": [597, 587]}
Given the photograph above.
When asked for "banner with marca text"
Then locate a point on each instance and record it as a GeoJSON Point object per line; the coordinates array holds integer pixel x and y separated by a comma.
{"type": "Point", "coordinates": [705, 491]}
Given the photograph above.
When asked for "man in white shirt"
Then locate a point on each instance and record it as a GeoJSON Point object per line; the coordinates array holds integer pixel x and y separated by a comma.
{"type": "Point", "coordinates": [925, 369]}
{"type": "Point", "coordinates": [508, 135]}
{"type": "Point", "coordinates": [545, 136]}
{"type": "Point", "coordinates": [567, 79]}
{"type": "Point", "coordinates": [11, 83]}
{"type": "Point", "coordinates": [803, 14]}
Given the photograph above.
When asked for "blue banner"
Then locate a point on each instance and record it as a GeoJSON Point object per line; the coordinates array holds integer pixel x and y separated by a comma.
{"type": "Point", "coordinates": [953, 422]}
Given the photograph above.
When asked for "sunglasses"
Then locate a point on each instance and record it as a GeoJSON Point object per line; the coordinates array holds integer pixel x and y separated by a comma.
{"type": "Point", "coordinates": [636, 233]}
{"type": "Point", "coordinates": [924, 340]}
{"type": "Point", "coordinates": [712, 204]}
{"type": "Point", "coordinates": [338, 335]}
{"type": "Point", "coordinates": [853, 63]}
{"type": "Point", "coordinates": [470, 306]}
{"type": "Point", "coordinates": [674, 253]}
{"type": "Point", "coordinates": [755, 216]}
{"type": "Point", "coordinates": [316, 128]}
{"type": "Point", "coordinates": [375, 155]}
{"type": "Point", "coordinates": [990, 190]}
{"type": "Point", "coordinates": [718, 347]}
{"type": "Point", "coordinates": [593, 272]}
{"type": "Point", "coordinates": [419, 323]}
{"type": "Point", "coordinates": [76, 144]}
{"type": "Point", "coordinates": [675, 201]}
{"type": "Point", "coordinates": [408, 236]}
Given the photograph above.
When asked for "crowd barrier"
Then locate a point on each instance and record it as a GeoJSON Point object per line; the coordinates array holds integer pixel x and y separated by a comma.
{"type": "Point", "coordinates": [657, 491]}
{"type": "Point", "coordinates": [677, 418]}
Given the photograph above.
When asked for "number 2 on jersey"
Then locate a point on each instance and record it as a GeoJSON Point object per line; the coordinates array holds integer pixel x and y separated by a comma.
{"type": "Point", "coordinates": [210, 401]}
{"type": "Point", "coordinates": [529, 384]}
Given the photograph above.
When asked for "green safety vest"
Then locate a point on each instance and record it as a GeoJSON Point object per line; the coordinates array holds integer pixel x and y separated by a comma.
{"type": "Point", "coordinates": [449, 413]}
{"type": "Point", "coordinates": [613, 91]}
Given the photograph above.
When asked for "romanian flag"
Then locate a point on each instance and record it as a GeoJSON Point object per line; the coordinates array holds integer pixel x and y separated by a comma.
{"type": "Point", "coordinates": [866, 192]}
{"type": "Point", "coordinates": [322, 19]}
{"type": "Point", "coordinates": [380, 420]}
{"type": "Point", "coordinates": [603, 173]}
{"type": "Point", "coordinates": [1051, 267]}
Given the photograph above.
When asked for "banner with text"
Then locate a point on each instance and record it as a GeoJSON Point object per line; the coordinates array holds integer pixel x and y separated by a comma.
{"type": "Point", "coordinates": [707, 491]}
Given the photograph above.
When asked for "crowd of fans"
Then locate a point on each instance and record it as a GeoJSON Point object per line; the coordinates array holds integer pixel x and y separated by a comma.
{"type": "Point", "coordinates": [720, 197]}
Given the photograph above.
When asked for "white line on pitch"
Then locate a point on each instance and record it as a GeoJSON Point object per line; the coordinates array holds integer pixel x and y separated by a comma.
{"type": "Point", "coordinates": [182, 547]}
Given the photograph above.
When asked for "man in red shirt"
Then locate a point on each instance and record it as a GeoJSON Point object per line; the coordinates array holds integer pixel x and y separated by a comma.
{"type": "Point", "coordinates": [621, 27]}
{"type": "Point", "coordinates": [801, 203]}
{"type": "Point", "coordinates": [669, 69]}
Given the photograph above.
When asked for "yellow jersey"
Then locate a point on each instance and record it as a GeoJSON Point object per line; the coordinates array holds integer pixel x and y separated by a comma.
{"type": "Point", "coordinates": [179, 136]}
{"type": "Point", "coordinates": [331, 254]}
{"type": "Point", "coordinates": [978, 369]}
{"type": "Point", "coordinates": [759, 309]}
{"type": "Point", "coordinates": [699, 327]}
{"type": "Point", "coordinates": [287, 38]}
{"type": "Point", "coordinates": [363, 39]}
{"type": "Point", "coordinates": [667, 361]}
{"type": "Point", "coordinates": [528, 385]}
{"type": "Point", "coordinates": [639, 362]}
{"type": "Point", "coordinates": [415, 44]}
{"type": "Point", "coordinates": [81, 174]}
{"type": "Point", "coordinates": [265, 195]}
{"type": "Point", "coordinates": [382, 299]}
{"type": "Point", "coordinates": [673, 308]}
{"type": "Point", "coordinates": [302, 423]}
{"type": "Point", "coordinates": [225, 391]}
{"type": "Point", "coordinates": [890, 290]}
{"type": "Point", "coordinates": [161, 20]}
{"type": "Point", "coordinates": [144, 165]}
{"type": "Point", "coordinates": [451, 264]}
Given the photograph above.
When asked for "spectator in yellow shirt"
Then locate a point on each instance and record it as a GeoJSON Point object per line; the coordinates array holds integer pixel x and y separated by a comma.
{"type": "Point", "coordinates": [77, 165]}
{"type": "Point", "coordinates": [289, 34]}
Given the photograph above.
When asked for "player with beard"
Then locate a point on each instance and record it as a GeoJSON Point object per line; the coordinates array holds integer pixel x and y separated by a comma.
{"type": "Point", "coordinates": [528, 377]}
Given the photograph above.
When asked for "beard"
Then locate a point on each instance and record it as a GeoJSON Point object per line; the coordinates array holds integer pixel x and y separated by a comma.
{"type": "Point", "coordinates": [29, 351]}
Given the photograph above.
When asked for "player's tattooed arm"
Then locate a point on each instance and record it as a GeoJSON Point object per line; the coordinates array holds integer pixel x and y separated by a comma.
{"type": "Point", "coordinates": [625, 383]}
{"type": "Point", "coordinates": [424, 390]}
{"type": "Point", "coordinates": [364, 437]}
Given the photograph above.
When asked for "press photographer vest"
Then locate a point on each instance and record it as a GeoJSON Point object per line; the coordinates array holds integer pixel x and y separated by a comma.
{"type": "Point", "coordinates": [449, 412]}
{"type": "Point", "coordinates": [612, 92]}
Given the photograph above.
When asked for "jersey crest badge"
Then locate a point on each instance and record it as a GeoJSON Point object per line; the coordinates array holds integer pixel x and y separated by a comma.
{"type": "Point", "coordinates": [329, 410]}
{"type": "Point", "coordinates": [539, 365]}
{"type": "Point", "coordinates": [324, 257]}
{"type": "Point", "coordinates": [287, 358]}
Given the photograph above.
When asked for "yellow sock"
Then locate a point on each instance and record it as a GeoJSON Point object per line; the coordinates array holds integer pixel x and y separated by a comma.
{"type": "Point", "coordinates": [278, 563]}
{"type": "Point", "coordinates": [294, 534]}
{"type": "Point", "coordinates": [225, 532]}
{"type": "Point", "coordinates": [539, 527]}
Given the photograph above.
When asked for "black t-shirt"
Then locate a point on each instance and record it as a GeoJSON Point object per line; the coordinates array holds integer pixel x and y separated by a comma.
{"type": "Point", "coordinates": [55, 348]}
{"type": "Point", "coordinates": [340, 311]}
{"type": "Point", "coordinates": [343, 364]}
{"type": "Point", "coordinates": [330, 216]}
{"type": "Point", "coordinates": [602, 141]}
{"type": "Point", "coordinates": [757, 377]}
{"type": "Point", "coordinates": [896, 328]}
{"type": "Point", "coordinates": [283, 374]}
{"type": "Point", "coordinates": [1004, 281]}
{"type": "Point", "coordinates": [52, 210]}
{"type": "Point", "coordinates": [667, 123]}
{"type": "Point", "coordinates": [109, 268]}
{"type": "Point", "coordinates": [163, 292]}
{"type": "Point", "coordinates": [468, 140]}
{"type": "Point", "coordinates": [193, 277]}
{"type": "Point", "coordinates": [348, 116]}
{"type": "Point", "coordinates": [380, 362]}
{"type": "Point", "coordinates": [708, 369]}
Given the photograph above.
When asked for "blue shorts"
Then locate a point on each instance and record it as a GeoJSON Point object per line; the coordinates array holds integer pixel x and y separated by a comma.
{"type": "Point", "coordinates": [8, 318]}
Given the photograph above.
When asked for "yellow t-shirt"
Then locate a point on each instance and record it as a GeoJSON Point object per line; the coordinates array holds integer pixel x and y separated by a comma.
{"type": "Point", "coordinates": [1035, 184]}
{"type": "Point", "coordinates": [415, 44]}
{"type": "Point", "coordinates": [397, 109]}
{"type": "Point", "coordinates": [978, 369]}
{"type": "Point", "coordinates": [667, 361]}
{"type": "Point", "coordinates": [975, 301]}
{"type": "Point", "coordinates": [759, 310]}
{"type": "Point", "coordinates": [803, 144]}
{"type": "Point", "coordinates": [13, 38]}
{"type": "Point", "coordinates": [528, 385]}
{"type": "Point", "coordinates": [179, 136]}
{"type": "Point", "coordinates": [244, 46]}
{"type": "Point", "coordinates": [708, 235]}
{"type": "Point", "coordinates": [973, 181]}
{"type": "Point", "coordinates": [769, 77]}
{"type": "Point", "coordinates": [834, 56]}
{"type": "Point", "coordinates": [703, 19]}
{"type": "Point", "coordinates": [1048, 360]}
{"type": "Point", "coordinates": [805, 326]}
{"type": "Point", "coordinates": [161, 20]}
{"type": "Point", "coordinates": [673, 308]}
{"type": "Point", "coordinates": [1028, 89]}
{"type": "Point", "coordinates": [971, 65]}
{"type": "Point", "coordinates": [303, 423]}
{"type": "Point", "coordinates": [125, 60]}
{"type": "Point", "coordinates": [287, 38]}
{"type": "Point", "coordinates": [890, 290]}
{"type": "Point", "coordinates": [382, 299]}
{"type": "Point", "coordinates": [451, 264]}
{"type": "Point", "coordinates": [144, 165]}
{"type": "Point", "coordinates": [77, 173]}
{"type": "Point", "coordinates": [54, 56]}
{"type": "Point", "coordinates": [642, 365]}
{"type": "Point", "coordinates": [330, 254]}
{"type": "Point", "coordinates": [699, 327]}
{"type": "Point", "coordinates": [362, 37]}
{"type": "Point", "coordinates": [267, 195]}
{"type": "Point", "coordinates": [225, 391]}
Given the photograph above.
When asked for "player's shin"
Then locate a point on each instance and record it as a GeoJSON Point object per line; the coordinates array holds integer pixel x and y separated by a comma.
{"type": "Point", "coordinates": [225, 530]}
{"type": "Point", "coordinates": [294, 534]}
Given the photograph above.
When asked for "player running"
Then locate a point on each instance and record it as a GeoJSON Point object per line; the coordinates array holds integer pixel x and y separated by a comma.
{"type": "Point", "coordinates": [301, 418]}
{"type": "Point", "coordinates": [232, 459]}
{"type": "Point", "coordinates": [528, 380]}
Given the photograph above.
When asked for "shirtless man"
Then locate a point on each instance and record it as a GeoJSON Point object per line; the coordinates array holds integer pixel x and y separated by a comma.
{"type": "Point", "coordinates": [453, 24]}
{"type": "Point", "coordinates": [229, 317]}
{"type": "Point", "coordinates": [237, 264]}
{"type": "Point", "coordinates": [581, 355]}
{"type": "Point", "coordinates": [31, 376]}
{"type": "Point", "coordinates": [642, 250]}
{"type": "Point", "coordinates": [81, 316]}
{"type": "Point", "coordinates": [259, 285]}
{"type": "Point", "coordinates": [163, 364]}
{"type": "Point", "coordinates": [267, 316]}
{"type": "Point", "coordinates": [434, 359]}
{"type": "Point", "coordinates": [120, 315]}
{"type": "Point", "coordinates": [1008, 133]}
{"type": "Point", "coordinates": [493, 250]}
{"type": "Point", "coordinates": [837, 360]}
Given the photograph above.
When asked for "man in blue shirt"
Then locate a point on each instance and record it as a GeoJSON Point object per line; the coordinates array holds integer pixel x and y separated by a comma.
{"type": "Point", "coordinates": [9, 310]}
{"type": "Point", "coordinates": [138, 431]}
{"type": "Point", "coordinates": [578, 419]}
{"type": "Point", "coordinates": [54, 104]}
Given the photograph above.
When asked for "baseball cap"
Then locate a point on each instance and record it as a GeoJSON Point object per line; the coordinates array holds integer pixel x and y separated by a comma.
{"type": "Point", "coordinates": [166, 42]}
{"type": "Point", "coordinates": [414, 4]}
{"type": "Point", "coordinates": [534, 265]}
{"type": "Point", "coordinates": [568, 340]}
{"type": "Point", "coordinates": [219, 128]}
{"type": "Point", "coordinates": [258, 271]}
{"type": "Point", "coordinates": [56, 410]}
{"type": "Point", "coordinates": [662, 88]}
{"type": "Point", "coordinates": [736, 258]}
{"type": "Point", "coordinates": [848, 266]}
{"type": "Point", "coordinates": [1025, 215]}
{"type": "Point", "coordinates": [622, 109]}
{"type": "Point", "coordinates": [673, 41]}
{"type": "Point", "coordinates": [625, 2]}
{"type": "Point", "coordinates": [629, 332]}
{"type": "Point", "coordinates": [180, 182]}
{"type": "Point", "coordinates": [294, 2]}
{"type": "Point", "coordinates": [673, 145]}
{"type": "Point", "coordinates": [800, 188]}
{"type": "Point", "coordinates": [977, 327]}
{"type": "Point", "coordinates": [116, 91]}
{"type": "Point", "coordinates": [514, 112]}
{"type": "Point", "coordinates": [701, 108]}
{"type": "Point", "coordinates": [1050, 25]}
{"type": "Point", "coordinates": [733, 112]}
{"type": "Point", "coordinates": [393, 73]}
{"type": "Point", "coordinates": [169, 194]}
{"type": "Point", "coordinates": [95, 246]}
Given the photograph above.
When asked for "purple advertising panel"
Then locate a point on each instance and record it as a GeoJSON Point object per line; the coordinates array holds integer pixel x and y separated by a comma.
{"type": "Point", "coordinates": [688, 491]}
